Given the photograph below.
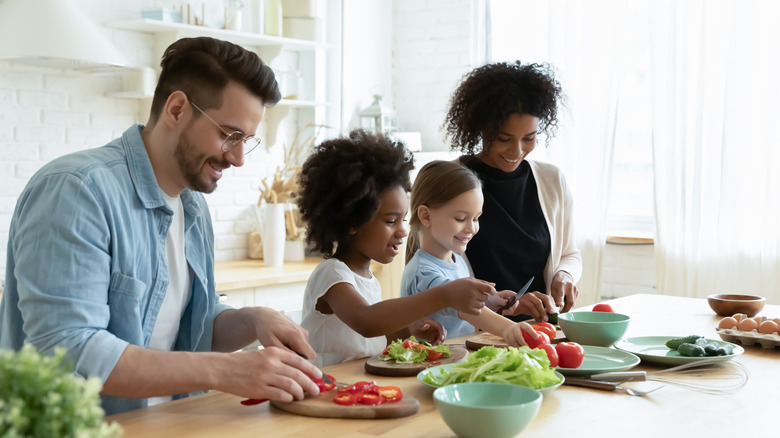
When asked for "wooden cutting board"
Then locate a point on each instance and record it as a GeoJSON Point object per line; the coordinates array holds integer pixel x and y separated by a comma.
{"type": "Point", "coordinates": [483, 339]}
{"type": "Point", "coordinates": [323, 406]}
{"type": "Point", "coordinates": [380, 367]}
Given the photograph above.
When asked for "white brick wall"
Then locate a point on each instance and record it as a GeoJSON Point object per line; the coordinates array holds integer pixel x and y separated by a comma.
{"type": "Point", "coordinates": [46, 113]}
{"type": "Point", "coordinates": [435, 43]}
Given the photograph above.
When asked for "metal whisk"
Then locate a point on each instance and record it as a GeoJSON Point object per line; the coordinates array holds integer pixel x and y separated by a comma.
{"type": "Point", "coordinates": [707, 376]}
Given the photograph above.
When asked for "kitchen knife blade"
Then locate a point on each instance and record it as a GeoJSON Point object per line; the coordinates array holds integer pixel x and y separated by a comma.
{"type": "Point", "coordinates": [510, 302]}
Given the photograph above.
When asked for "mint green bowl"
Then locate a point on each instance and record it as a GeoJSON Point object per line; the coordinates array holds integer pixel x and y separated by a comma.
{"type": "Point", "coordinates": [594, 328]}
{"type": "Point", "coordinates": [481, 409]}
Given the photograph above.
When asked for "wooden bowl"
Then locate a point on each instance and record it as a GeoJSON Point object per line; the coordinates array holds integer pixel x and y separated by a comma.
{"type": "Point", "coordinates": [729, 304]}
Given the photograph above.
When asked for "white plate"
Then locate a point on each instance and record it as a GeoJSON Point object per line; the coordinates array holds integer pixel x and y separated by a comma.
{"type": "Point", "coordinates": [602, 360]}
{"type": "Point", "coordinates": [446, 367]}
{"type": "Point", "coordinates": [653, 349]}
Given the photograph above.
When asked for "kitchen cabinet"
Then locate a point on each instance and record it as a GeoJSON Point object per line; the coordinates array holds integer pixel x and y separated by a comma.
{"type": "Point", "coordinates": [242, 283]}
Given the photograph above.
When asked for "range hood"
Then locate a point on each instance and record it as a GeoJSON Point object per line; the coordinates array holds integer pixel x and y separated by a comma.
{"type": "Point", "coordinates": [55, 34]}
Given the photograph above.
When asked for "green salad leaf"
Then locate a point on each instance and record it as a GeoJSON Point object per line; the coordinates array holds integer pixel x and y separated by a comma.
{"type": "Point", "coordinates": [519, 366]}
{"type": "Point", "coordinates": [397, 352]}
{"type": "Point", "coordinates": [41, 397]}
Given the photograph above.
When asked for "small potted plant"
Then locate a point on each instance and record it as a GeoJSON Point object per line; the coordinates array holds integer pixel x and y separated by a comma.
{"type": "Point", "coordinates": [278, 236]}
{"type": "Point", "coordinates": [40, 396]}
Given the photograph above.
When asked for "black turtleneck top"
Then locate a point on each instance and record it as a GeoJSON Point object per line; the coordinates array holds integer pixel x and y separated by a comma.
{"type": "Point", "coordinates": [513, 242]}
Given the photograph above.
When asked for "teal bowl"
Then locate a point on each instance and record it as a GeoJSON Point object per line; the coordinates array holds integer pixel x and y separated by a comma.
{"type": "Point", "coordinates": [594, 328]}
{"type": "Point", "coordinates": [481, 409]}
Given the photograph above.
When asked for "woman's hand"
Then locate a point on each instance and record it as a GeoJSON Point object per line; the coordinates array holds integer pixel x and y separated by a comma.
{"type": "Point", "coordinates": [563, 290]}
{"type": "Point", "coordinates": [536, 304]}
{"type": "Point", "coordinates": [429, 330]}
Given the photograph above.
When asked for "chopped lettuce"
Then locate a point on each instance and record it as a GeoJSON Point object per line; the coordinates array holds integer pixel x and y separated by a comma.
{"type": "Point", "coordinates": [519, 366]}
{"type": "Point", "coordinates": [397, 352]}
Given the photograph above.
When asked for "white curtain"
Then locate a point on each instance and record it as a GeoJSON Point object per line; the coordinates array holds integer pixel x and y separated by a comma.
{"type": "Point", "coordinates": [582, 39]}
{"type": "Point", "coordinates": [716, 146]}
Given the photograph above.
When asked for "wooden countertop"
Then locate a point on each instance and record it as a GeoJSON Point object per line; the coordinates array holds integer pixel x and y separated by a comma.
{"type": "Point", "coordinates": [573, 411]}
{"type": "Point", "coordinates": [243, 274]}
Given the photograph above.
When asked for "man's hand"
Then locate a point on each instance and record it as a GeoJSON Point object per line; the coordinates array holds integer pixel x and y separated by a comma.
{"type": "Point", "coordinates": [271, 373]}
{"type": "Point", "coordinates": [273, 329]}
{"type": "Point", "coordinates": [563, 290]}
{"type": "Point", "coordinates": [429, 330]}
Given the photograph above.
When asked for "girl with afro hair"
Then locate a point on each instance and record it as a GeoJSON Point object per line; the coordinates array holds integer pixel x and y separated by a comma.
{"type": "Point", "coordinates": [495, 117]}
{"type": "Point", "coordinates": [353, 199]}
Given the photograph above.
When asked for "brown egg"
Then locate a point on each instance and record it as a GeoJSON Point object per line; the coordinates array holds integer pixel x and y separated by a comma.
{"type": "Point", "coordinates": [747, 324]}
{"type": "Point", "coordinates": [728, 323]}
{"type": "Point", "coordinates": [739, 316]}
{"type": "Point", "coordinates": [768, 327]}
{"type": "Point", "coordinates": [759, 319]}
{"type": "Point", "coordinates": [777, 320]}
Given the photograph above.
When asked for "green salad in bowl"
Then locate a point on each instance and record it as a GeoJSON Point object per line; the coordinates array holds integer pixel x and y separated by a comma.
{"type": "Point", "coordinates": [518, 366]}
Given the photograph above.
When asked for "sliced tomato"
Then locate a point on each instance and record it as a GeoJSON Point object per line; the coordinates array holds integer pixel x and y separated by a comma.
{"type": "Point", "coordinates": [345, 398]}
{"type": "Point", "coordinates": [410, 344]}
{"type": "Point", "coordinates": [386, 350]}
{"type": "Point", "coordinates": [370, 399]}
{"type": "Point", "coordinates": [359, 387]}
{"type": "Point", "coordinates": [391, 394]}
{"type": "Point", "coordinates": [433, 355]}
{"type": "Point", "coordinates": [546, 328]}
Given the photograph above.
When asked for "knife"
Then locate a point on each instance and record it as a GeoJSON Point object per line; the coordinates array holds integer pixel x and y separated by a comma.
{"type": "Point", "coordinates": [510, 302]}
{"type": "Point", "coordinates": [255, 401]}
{"type": "Point", "coordinates": [325, 377]}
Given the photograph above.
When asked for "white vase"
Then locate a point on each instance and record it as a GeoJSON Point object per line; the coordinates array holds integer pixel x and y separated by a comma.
{"type": "Point", "coordinates": [273, 232]}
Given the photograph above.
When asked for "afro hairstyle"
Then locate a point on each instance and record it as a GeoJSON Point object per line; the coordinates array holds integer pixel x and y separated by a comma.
{"type": "Point", "coordinates": [341, 184]}
{"type": "Point", "coordinates": [489, 94]}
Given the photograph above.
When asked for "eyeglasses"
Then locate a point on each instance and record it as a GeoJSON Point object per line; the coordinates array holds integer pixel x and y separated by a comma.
{"type": "Point", "coordinates": [234, 138]}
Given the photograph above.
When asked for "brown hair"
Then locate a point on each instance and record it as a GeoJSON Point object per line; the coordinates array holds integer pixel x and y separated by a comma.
{"type": "Point", "coordinates": [437, 183]}
{"type": "Point", "coordinates": [202, 67]}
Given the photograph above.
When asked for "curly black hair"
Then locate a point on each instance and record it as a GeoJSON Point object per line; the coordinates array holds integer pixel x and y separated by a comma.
{"type": "Point", "coordinates": [341, 183]}
{"type": "Point", "coordinates": [488, 95]}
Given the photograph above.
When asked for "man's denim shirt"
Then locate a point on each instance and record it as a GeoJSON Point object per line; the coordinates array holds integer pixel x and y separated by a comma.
{"type": "Point", "coordinates": [86, 266]}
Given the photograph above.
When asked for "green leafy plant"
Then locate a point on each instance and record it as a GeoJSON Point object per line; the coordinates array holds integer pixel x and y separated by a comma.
{"type": "Point", "coordinates": [41, 397]}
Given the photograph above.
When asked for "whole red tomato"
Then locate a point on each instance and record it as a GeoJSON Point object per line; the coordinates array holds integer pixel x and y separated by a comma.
{"type": "Point", "coordinates": [534, 343]}
{"type": "Point", "coordinates": [601, 307]}
{"type": "Point", "coordinates": [552, 354]}
{"type": "Point", "coordinates": [570, 354]}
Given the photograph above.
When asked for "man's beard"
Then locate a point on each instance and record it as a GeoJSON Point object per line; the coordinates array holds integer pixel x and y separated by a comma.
{"type": "Point", "coordinates": [191, 167]}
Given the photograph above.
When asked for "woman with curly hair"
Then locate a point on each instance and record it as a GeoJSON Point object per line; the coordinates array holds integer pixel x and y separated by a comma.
{"type": "Point", "coordinates": [495, 117]}
{"type": "Point", "coordinates": [353, 200]}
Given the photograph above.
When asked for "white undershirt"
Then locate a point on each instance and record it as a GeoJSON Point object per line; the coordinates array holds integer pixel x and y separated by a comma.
{"type": "Point", "coordinates": [177, 296]}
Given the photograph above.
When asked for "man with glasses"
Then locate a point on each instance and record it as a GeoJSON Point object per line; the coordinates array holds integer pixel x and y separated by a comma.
{"type": "Point", "coordinates": [111, 250]}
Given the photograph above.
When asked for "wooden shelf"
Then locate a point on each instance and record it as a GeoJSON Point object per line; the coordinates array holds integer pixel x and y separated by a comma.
{"type": "Point", "coordinates": [243, 38]}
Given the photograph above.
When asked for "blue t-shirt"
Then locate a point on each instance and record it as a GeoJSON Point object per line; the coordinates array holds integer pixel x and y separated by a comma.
{"type": "Point", "coordinates": [424, 271]}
